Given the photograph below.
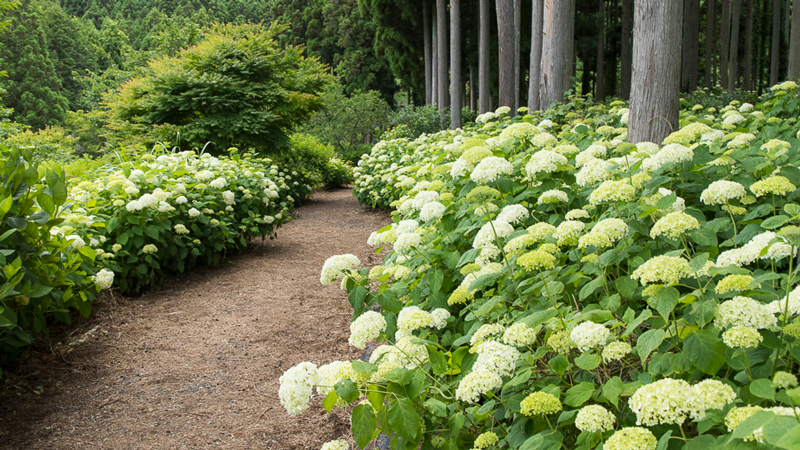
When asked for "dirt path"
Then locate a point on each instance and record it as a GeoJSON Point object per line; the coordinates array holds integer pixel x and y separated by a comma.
{"type": "Point", "coordinates": [195, 364]}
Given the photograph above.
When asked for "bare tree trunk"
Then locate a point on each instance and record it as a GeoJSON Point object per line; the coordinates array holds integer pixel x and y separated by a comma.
{"type": "Point", "coordinates": [484, 90]}
{"type": "Point", "coordinates": [733, 62]}
{"type": "Point", "coordinates": [557, 50]}
{"type": "Point", "coordinates": [536, 56]}
{"type": "Point", "coordinates": [625, 49]}
{"type": "Point", "coordinates": [711, 42]}
{"type": "Point", "coordinates": [748, 47]}
{"type": "Point", "coordinates": [441, 18]}
{"type": "Point", "coordinates": [656, 70]}
{"type": "Point", "coordinates": [426, 38]}
{"type": "Point", "coordinates": [473, 98]}
{"type": "Point", "coordinates": [691, 45]}
{"type": "Point", "coordinates": [456, 88]}
{"type": "Point", "coordinates": [505, 40]}
{"type": "Point", "coordinates": [434, 62]}
{"type": "Point", "coordinates": [794, 43]}
{"type": "Point", "coordinates": [725, 43]}
{"type": "Point", "coordinates": [600, 77]}
{"type": "Point", "coordinates": [776, 42]}
{"type": "Point", "coordinates": [517, 41]}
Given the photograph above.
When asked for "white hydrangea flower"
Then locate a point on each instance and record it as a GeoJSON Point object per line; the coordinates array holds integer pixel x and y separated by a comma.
{"type": "Point", "coordinates": [545, 161]}
{"type": "Point", "coordinates": [367, 327]}
{"type": "Point", "coordinates": [296, 387]}
{"type": "Point", "coordinates": [744, 311]}
{"type": "Point", "coordinates": [477, 383]}
{"type": "Point", "coordinates": [552, 196]}
{"type": "Point", "coordinates": [440, 316]}
{"type": "Point", "coordinates": [104, 279]}
{"type": "Point", "coordinates": [721, 192]}
{"type": "Point", "coordinates": [588, 335]}
{"type": "Point", "coordinates": [406, 242]}
{"type": "Point", "coordinates": [513, 214]}
{"type": "Point", "coordinates": [337, 444]}
{"type": "Point", "coordinates": [520, 335]}
{"type": "Point", "coordinates": [715, 394]}
{"type": "Point", "coordinates": [432, 211]}
{"type": "Point", "coordinates": [594, 419]}
{"type": "Point", "coordinates": [486, 235]}
{"type": "Point", "coordinates": [667, 401]}
{"type": "Point", "coordinates": [496, 357]}
{"type": "Point", "coordinates": [334, 267]}
{"type": "Point", "coordinates": [490, 168]}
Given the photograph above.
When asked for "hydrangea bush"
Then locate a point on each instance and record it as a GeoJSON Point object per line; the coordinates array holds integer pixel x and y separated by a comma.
{"type": "Point", "coordinates": [552, 286]}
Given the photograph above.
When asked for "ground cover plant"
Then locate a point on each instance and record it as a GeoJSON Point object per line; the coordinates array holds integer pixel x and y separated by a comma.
{"type": "Point", "coordinates": [552, 286]}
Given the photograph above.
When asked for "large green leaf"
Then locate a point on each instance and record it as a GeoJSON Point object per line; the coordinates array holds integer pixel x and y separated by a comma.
{"type": "Point", "coordinates": [363, 424]}
{"type": "Point", "coordinates": [705, 350]}
{"type": "Point", "coordinates": [577, 395]}
{"type": "Point", "coordinates": [403, 418]}
{"type": "Point", "coordinates": [649, 341]}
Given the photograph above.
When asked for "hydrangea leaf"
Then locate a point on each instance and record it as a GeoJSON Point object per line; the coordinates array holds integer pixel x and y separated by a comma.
{"type": "Point", "coordinates": [363, 424]}
{"type": "Point", "coordinates": [579, 394]}
{"type": "Point", "coordinates": [649, 341]}
{"type": "Point", "coordinates": [763, 388]}
{"type": "Point", "coordinates": [706, 351]}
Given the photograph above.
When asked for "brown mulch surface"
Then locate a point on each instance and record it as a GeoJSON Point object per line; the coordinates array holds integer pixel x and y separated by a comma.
{"type": "Point", "coordinates": [195, 363]}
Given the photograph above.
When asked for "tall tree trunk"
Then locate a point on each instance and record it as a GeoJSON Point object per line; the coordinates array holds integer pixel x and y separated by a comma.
{"type": "Point", "coordinates": [600, 78]}
{"type": "Point", "coordinates": [711, 43]}
{"type": "Point", "coordinates": [748, 47]}
{"type": "Point", "coordinates": [505, 40]}
{"type": "Point", "coordinates": [625, 49]}
{"type": "Point", "coordinates": [536, 56]}
{"type": "Point", "coordinates": [557, 50]}
{"type": "Point", "coordinates": [441, 18]}
{"type": "Point", "coordinates": [725, 42]}
{"type": "Point", "coordinates": [456, 88]}
{"type": "Point", "coordinates": [434, 61]}
{"type": "Point", "coordinates": [691, 47]}
{"type": "Point", "coordinates": [733, 62]}
{"type": "Point", "coordinates": [794, 43]}
{"type": "Point", "coordinates": [517, 41]}
{"type": "Point", "coordinates": [656, 70]}
{"type": "Point", "coordinates": [484, 90]}
{"type": "Point", "coordinates": [776, 42]}
{"type": "Point", "coordinates": [426, 38]}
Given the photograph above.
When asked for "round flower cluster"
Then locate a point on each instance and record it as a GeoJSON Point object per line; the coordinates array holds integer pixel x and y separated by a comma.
{"type": "Point", "coordinates": [431, 211]}
{"type": "Point", "coordinates": [561, 342]}
{"type": "Point", "coordinates": [776, 185]}
{"type": "Point", "coordinates": [540, 404]}
{"type": "Point", "coordinates": [334, 267]}
{"type": "Point", "coordinates": [662, 269]}
{"type": "Point", "coordinates": [569, 232]}
{"type": "Point", "coordinates": [734, 283]}
{"type": "Point", "coordinates": [737, 415]}
{"type": "Point", "coordinates": [297, 387]}
{"type": "Point", "coordinates": [406, 242]}
{"type": "Point", "coordinates": [181, 229]}
{"type": "Point", "coordinates": [543, 140]}
{"type": "Point", "coordinates": [487, 439]}
{"type": "Point", "coordinates": [594, 419]}
{"type": "Point", "coordinates": [593, 171]}
{"type": "Point", "coordinates": [790, 305]}
{"type": "Point", "coordinates": [513, 214]}
{"type": "Point", "coordinates": [477, 383]}
{"type": "Point", "coordinates": [733, 120]}
{"type": "Point", "coordinates": [612, 191]}
{"type": "Point", "coordinates": [741, 336]}
{"type": "Point", "coordinates": [486, 332]}
{"type": "Point", "coordinates": [588, 335]}
{"type": "Point", "coordinates": [423, 198]}
{"type": "Point", "coordinates": [541, 231]}
{"type": "Point", "coordinates": [721, 192]}
{"type": "Point", "coordinates": [604, 233]}
{"type": "Point", "coordinates": [335, 445]}
{"type": "Point", "coordinates": [744, 311]}
{"type": "Point", "coordinates": [741, 140]}
{"type": "Point", "coordinates": [490, 168]}
{"type": "Point", "coordinates": [669, 154]}
{"type": "Point", "coordinates": [519, 243]}
{"type": "Point", "coordinates": [367, 327]}
{"type": "Point", "coordinates": [552, 196]}
{"type": "Point", "coordinates": [412, 318]}
{"type": "Point", "coordinates": [784, 380]}
{"type": "Point", "coordinates": [486, 235]}
{"type": "Point", "coordinates": [614, 351]}
{"type": "Point", "coordinates": [496, 357]}
{"type": "Point", "coordinates": [715, 394]}
{"type": "Point", "coordinates": [545, 161]}
{"type": "Point", "coordinates": [631, 438]}
{"type": "Point", "coordinates": [536, 260]}
{"type": "Point", "coordinates": [751, 252]}
{"type": "Point", "coordinates": [104, 279]}
{"type": "Point", "coordinates": [520, 335]}
{"type": "Point", "coordinates": [674, 225]}
{"type": "Point", "coordinates": [575, 214]}
{"type": "Point", "coordinates": [149, 249]}
{"type": "Point", "coordinates": [519, 131]}
{"type": "Point", "coordinates": [666, 401]}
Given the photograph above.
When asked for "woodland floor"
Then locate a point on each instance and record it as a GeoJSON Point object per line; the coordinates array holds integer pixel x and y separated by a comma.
{"type": "Point", "coordinates": [195, 363]}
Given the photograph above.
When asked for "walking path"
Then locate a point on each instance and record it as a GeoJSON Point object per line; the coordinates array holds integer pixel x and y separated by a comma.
{"type": "Point", "coordinates": [195, 364]}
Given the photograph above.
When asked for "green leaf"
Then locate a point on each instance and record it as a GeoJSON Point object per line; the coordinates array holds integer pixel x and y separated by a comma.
{"type": "Point", "coordinates": [346, 390]}
{"type": "Point", "coordinates": [649, 341]}
{"type": "Point", "coordinates": [763, 388]}
{"type": "Point", "coordinates": [699, 260]}
{"type": "Point", "coordinates": [790, 440]}
{"type": "Point", "coordinates": [664, 440]}
{"type": "Point", "coordinates": [793, 209]}
{"type": "Point", "coordinates": [626, 286]}
{"type": "Point", "coordinates": [59, 190]}
{"type": "Point", "coordinates": [468, 256]}
{"type": "Point", "coordinates": [436, 407]}
{"type": "Point", "coordinates": [774, 222]}
{"type": "Point", "coordinates": [644, 315]}
{"type": "Point", "coordinates": [666, 299]}
{"type": "Point", "coordinates": [588, 361]}
{"type": "Point", "coordinates": [404, 418]}
{"type": "Point", "coordinates": [579, 394]}
{"type": "Point", "coordinates": [612, 389]}
{"type": "Point", "coordinates": [520, 378]}
{"type": "Point", "coordinates": [363, 366]}
{"type": "Point", "coordinates": [399, 376]}
{"type": "Point", "coordinates": [484, 281]}
{"type": "Point", "coordinates": [532, 443]}
{"type": "Point", "coordinates": [45, 202]}
{"type": "Point", "coordinates": [754, 422]}
{"type": "Point", "coordinates": [438, 360]}
{"type": "Point", "coordinates": [666, 202]}
{"type": "Point", "coordinates": [559, 364]}
{"type": "Point", "coordinates": [705, 350]}
{"type": "Point", "coordinates": [488, 306]}
{"type": "Point", "coordinates": [330, 401]}
{"type": "Point", "coordinates": [17, 222]}
{"type": "Point", "coordinates": [363, 424]}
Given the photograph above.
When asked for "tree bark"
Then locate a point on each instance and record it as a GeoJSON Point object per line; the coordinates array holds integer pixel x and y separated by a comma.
{"type": "Point", "coordinates": [656, 70]}
{"type": "Point", "coordinates": [776, 42]}
{"type": "Point", "coordinates": [426, 38]}
{"type": "Point", "coordinates": [536, 56]}
{"type": "Point", "coordinates": [505, 40]}
{"type": "Point", "coordinates": [517, 41]}
{"type": "Point", "coordinates": [427, 54]}
{"type": "Point", "coordinates": [600, 75]}
{"type": "Point", "coordinates": [484, 90]}
{"type": "Point", "coordinates": [625, 49]}
{"type": "Point", "coordinates": [725, 42]}
{"type": "Point", "coordinates": [691, 46]}
{"type": "Point", "coordinates": [733, 61]}
{"type": "Point", "coordinates": [441, 18]}
{"type": "Point", "coordinates": [748, 47]}
{"type": "Point", "coordinates": [557, 50]}
{"type": "Point", "coordinates": [710, 44]}
{"type": "Point", "coordinates": [434, 61]}
{"type": "Point", "coordinates": [456, 87]}
{"type": "Point", "coordinates": [794, 43]}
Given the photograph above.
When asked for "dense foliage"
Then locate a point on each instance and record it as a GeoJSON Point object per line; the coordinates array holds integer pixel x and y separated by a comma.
{"type": "Point", "coordinates": [551, 286]}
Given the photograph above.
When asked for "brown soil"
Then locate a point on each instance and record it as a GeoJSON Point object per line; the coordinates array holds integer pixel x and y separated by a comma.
{"type": "Point", "coordinates": [195, 364]}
